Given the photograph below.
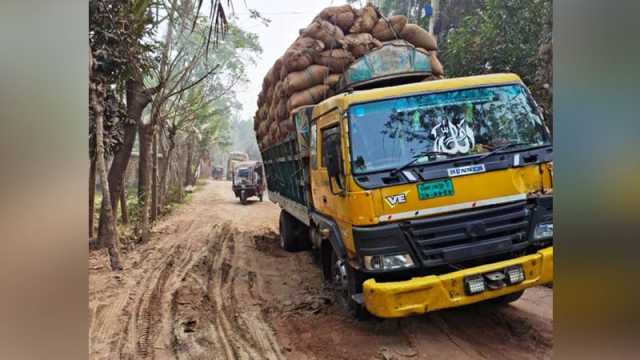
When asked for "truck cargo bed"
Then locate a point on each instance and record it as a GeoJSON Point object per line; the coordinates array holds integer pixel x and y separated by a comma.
{"type": "Point", "coordinates": [286, 170]}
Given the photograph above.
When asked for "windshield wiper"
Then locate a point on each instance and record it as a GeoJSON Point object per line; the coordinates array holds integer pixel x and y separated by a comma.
{"type": "Point", "coordinates": [415, 158]}
{"type": "Point", "coordinates": [501, 148]}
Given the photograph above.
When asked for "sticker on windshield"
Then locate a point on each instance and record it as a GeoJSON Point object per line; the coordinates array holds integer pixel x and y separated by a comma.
{"type": "Point", "coordinates": [466, 170]}
{"type": "Point", "coordinates": [453, 136]}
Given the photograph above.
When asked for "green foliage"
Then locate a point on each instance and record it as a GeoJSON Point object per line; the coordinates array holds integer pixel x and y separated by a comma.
{"type": "Point", "coordinates": [504, 36]}
{"type": "Point", "coordinates": [412, 9]}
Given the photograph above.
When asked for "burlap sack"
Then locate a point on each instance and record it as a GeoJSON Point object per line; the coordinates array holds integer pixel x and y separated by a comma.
{"type": "Point", "coordinates": [256, 123]}
{"type": "Point", "coordinates": [268, 80]}
{"type": "Point", "coordinates": [326, 32]}
{"type": "Point", "coordinates": [337, 59]}
{"type": "Point", "coordinates": [268, 96]}
{"type": "Point", "coordinates": [272, 111]}
{"type": "Point", "coordinates": [283, 73]}
{"type": "Point", "coordinates": [383, 30]}
{"type": "Point", "coordinates": [281, 109]}
{"type": "Point", "coordinates": [276, 67]}
{"type": "Point", "coordinates": [419, 37]}
{"type": "Point", "coordinates": [366, 19]}
{"type": "Point", "coordinates": [332, 80]}
{"type": "Point", "coordinates": [343, 20]}
{"type": "Point", "coordinates": [300, 80]}
{"type": "Point", "coordinates": [262, 113]}
{"type": "Point", "coordinates": [273, 129]}
{"type": "Point", "coordinates": [266, 141]}
{"type": "Point", "coordinates": [331, 11]}
{"type": "Point", "coordinates": [297, 59]}
{"type": "Point", "coordinates": [305, 42]}
{"type": "Point", "coordinates": [360, 44]}
{"type": "Point", "coordinates": [260, 101]}
{"type": "Point", "coordinates": [287, 126]}
{"type": "Point", "coordinates": [263, 129]}
{"type": "Point", "coordinates": [436, 66]}
{"type": "Point", "coordinates": [310, 96]}
{"type": "Point", "coordinates": [279, 91]}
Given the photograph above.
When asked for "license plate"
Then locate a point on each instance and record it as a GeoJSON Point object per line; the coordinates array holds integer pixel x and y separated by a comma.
{"type": "Point", "coordinates": [435, 188]}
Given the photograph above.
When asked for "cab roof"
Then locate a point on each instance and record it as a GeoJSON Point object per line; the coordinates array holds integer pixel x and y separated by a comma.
{"type": "Point", "coordinates": [247, 163]}
{"type": "Point", "coordinates": [344, 100]}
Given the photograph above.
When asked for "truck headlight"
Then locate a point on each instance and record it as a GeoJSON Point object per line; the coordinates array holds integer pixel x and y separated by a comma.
{"type": "Point", "coordinates": [474, 285]}
{"type": "Point", "coordinates": [515, 274]}
{"type": "Point", "coordinates": [543, 230]}
{"type": "Point", "coordinates": [388, 262]}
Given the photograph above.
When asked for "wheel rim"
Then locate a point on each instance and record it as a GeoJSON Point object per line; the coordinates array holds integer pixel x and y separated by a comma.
{"type": "Point", "coordinates": [340, 281]}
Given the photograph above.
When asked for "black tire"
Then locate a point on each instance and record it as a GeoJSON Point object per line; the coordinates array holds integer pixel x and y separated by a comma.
{"type": "Point", "coordinates": [507, 299]}
{"type": "Point", "coordinates": [346, 283]}
{"type": "Point", "coordinates": [260, 197]}
{"type": "Point", "coordinates": [243, 198]}
{"type": "Point", "coordinates": [288, 239]}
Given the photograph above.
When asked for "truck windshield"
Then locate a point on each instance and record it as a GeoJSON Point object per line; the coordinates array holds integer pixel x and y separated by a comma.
{"type": "Point", "coordinates": [388, 133]}
{"type": "Point", "coordinates": [243, 173]}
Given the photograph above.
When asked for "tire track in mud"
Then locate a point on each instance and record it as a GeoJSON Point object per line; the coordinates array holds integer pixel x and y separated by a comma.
{"type": "Point", "coordinates": [218, 320]}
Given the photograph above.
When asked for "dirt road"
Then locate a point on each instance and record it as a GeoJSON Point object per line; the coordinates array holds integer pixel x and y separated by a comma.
{"type": "Point", "coordinates": [213, 284]}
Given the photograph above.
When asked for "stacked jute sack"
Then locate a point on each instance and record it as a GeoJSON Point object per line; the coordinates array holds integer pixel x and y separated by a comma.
{"type": "Point", "coordinates": [310, 68]}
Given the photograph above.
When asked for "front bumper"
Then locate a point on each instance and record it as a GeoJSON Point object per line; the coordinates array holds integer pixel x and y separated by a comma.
{"type": "Point", "coordinates": [434, 292]}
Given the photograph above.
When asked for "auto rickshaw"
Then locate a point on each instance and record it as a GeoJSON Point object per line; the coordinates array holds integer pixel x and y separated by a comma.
{"type": "Point", "coordinates": [217, 173]}
{"type": "Point", "coordinates": [248, 180]}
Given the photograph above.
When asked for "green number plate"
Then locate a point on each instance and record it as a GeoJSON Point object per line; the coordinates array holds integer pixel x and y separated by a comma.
{"type": "Point", "coordinates": [435, 188]}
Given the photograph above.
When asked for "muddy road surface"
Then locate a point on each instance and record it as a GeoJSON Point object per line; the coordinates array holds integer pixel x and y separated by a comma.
{"type": "Point", "coordinates": [213, 284]}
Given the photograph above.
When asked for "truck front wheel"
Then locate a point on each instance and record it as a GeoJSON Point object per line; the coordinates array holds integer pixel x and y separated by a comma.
{"type": "Point", "coordinates": [346, 283]}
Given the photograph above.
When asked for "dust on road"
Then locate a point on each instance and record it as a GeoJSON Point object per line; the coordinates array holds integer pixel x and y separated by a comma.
{"type": "Point", "coordinates": [213, 284]}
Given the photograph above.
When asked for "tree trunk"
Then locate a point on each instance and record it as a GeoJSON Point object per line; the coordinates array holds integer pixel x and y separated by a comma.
{"type": "Point", "coordinates": [137, 99]}
{"type": "Point", "coordinates": [123, 205]}
{"type": "Point", "coordinates": [145, 137]}
{"type": "Point", "coordinates": [188, 172]}
{"type": "Point", "coordinates": [154, 178]}
{"type": "Point", "coordinates": [92, 195]}
{"type": "Point", "coordinates": [164, 172]}
{"type": "Point", "coordinates": [435, 4]}
{"type": "Point", "coordinates": [109, 237]}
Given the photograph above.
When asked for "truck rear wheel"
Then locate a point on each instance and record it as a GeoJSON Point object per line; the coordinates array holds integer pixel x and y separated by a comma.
{"type": "Point", "coordinates": [288, 232]}
{"type": "Point", "coordinates": [346, 283]}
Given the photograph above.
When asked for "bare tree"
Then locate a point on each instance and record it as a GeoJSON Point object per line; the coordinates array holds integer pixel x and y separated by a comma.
{"type": "Point", "coordinates": [97, 94]}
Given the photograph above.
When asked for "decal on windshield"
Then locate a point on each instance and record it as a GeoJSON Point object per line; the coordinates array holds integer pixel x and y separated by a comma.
{"type": "Point", "coordinates": [466, 170]}
{"type": "Point", "coordinates": [453, 137]}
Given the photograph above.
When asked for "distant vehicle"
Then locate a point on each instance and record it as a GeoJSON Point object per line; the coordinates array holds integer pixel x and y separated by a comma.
{"type": "Point", "coordinates": [217, 172]}
{"type": "Point", "coordinates": [248, 180]}
{"type": "Point", "coordinates": [235, 157]}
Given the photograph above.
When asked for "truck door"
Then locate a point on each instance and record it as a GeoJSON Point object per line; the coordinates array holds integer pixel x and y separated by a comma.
{"type": "Point", "coordinates": [328, 194]}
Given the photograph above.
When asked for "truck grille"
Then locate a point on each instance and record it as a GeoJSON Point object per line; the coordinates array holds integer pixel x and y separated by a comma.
{"type": "Point", "coordinates": [468, 235]}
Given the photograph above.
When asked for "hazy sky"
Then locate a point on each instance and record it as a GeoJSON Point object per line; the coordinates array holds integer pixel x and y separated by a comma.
{"type": "Point", "coordinates": [287, 17]}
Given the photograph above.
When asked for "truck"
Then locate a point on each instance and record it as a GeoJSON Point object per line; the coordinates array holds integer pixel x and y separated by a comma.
{"type": "Point", "coordinates": [234, 158]}
{"type": "Point", "coordinates": [248, 180]}
{"type": "Point", "coordinates": [418, 196]}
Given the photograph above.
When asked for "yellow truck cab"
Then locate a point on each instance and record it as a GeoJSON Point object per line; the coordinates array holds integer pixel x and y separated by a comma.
{"type": "Point", "coordinates": [421, 196]}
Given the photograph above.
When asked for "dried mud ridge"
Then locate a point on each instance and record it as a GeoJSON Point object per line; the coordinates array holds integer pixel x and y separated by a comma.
{"type": "Point", "coordinates": [211, 286]}
{"type": "Point", "coordinates": [214, 310]}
